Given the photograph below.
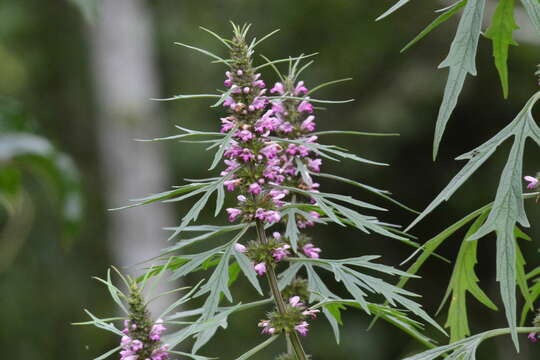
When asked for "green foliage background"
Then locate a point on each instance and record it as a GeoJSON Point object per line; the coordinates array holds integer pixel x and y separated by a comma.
{"type": "Point", "coordinates": [45, 65]}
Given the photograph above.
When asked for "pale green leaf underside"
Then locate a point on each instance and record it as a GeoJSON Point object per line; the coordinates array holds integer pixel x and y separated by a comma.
{"type": "Point", "coordinates": [461, 61]}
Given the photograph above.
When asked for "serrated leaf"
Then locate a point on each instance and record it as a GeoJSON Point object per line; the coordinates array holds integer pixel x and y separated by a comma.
{"type": "Point", "coordinates": [500, 32]}
{"type": "Point", "coordinates": [464, 280]}
{"type": "Point", "coordinates": [461, 61]}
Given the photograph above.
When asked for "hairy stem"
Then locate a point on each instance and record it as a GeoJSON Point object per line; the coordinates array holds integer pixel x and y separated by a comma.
{"type": "Point", "coordinates": [278, 299]}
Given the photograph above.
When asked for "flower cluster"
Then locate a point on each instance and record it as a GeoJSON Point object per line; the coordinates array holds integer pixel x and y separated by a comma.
{"type": "Point", "coordinates": [274, 250]}
{"type": "Point", "coordinates": [294, 319]}
{"type": "Point", "coordinates": [142, 338]}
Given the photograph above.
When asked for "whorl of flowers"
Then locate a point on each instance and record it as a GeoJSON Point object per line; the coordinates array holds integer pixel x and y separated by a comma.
{"type": "Point", "coordinates": [294, 319]}
{"type": "Point", "coordinates": [142, 337]}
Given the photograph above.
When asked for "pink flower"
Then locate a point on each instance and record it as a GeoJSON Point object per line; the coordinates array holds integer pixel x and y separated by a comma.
{"type": "Point", "coordinates": [281, 252]}
{"type": "Point", "coordinates": [233, 213]}
{"type": "Point", "coordinates": [302, 328]}
{"type": "Point", "coordinates": [229, 101]}
{"type": "Point", "coordinates": [278, 88]}
{"type": "Point", "coordinates": [259, 84]}
{"type": "Point", "coordinates": [300, 89]}
{"type": "Point", "coordinates": [227, 123]}
{"type": "Point", "coordinates": [276, 235]}
{"type": "Point", "coordinates": [295, 301]}
{"type": "Point", "coordinates": [272, 216]}
{"type": "Point", "coordinates": [240, 248]}
{"type": "Point", "coordinates": [532, 336]}
{"type": "Point", "coordinates": [286, 127]}
{"type": "Point", "coordinates": [244, 135]}
{"type": "Point", "coordinates": [271, 150]}
{"type": "Point", "coordinates": [291, 149]}
{"type": "Point", "coordinates": [312, 313]}
{"type": "Point", "coordinates": [157, 329]}
{"type": "Point", "coordinates": [267, 329]}
{"type": "Point", "coordinates": [314, 164]}
{"type": "Point", "coordinates": [277, 107]}
{"type": "Point", "coordinates": [305, 106]}
{"type": "Point", "coordinates": [260, 268]}
{"type": "Point", "coordinates": [533, 182]}
{"type": "Point", "coordinates": [303, 150]}
{"type": "Point", "coordinates": [241, 198]}
{"type": "Point", "coordinates": [255, 188]}
{"type": "Point", "coordinates": [308, 124]}
{"type": "Point", "coordinates": [311, 251]}
{"type": "Point", "coordinates": [246, 155]}
{"type": "Point", "coordinates": [231, 184]}
{"type": "Point", "coordinates": [137, 345]}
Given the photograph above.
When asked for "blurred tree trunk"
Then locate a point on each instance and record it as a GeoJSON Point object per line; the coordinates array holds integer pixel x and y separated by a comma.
{"type": "Point", "coordinates": [125, 79]}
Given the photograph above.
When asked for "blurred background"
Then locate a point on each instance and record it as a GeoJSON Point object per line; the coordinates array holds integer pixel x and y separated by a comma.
{"type": "Point", "coordinates": [75, 82]}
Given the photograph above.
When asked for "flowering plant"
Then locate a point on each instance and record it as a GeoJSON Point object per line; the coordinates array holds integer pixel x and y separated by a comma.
{"type": "Point", "coordinates": [271, 157]}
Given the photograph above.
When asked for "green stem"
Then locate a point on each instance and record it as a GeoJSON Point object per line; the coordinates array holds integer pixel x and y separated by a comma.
{"type": "Point", "coordinates": [278, 299]}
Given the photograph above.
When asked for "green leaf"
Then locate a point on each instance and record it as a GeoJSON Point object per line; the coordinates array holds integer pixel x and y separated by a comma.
{"type": "Point", "coordinates": [532, 7]}
{"type": "Point", "coordinates": [461, 61]}
{"type": "Point", "coordinates": [464, 280]}
{"type": "Point", "coordinates": [247, 269]}
{"type": "Point", "coordinates": [500, 32]}
{"type": "Point", "coordinates": [507, 209]}
{"type": "Point", "coordinates": [438, 21]}
{"type": "Point", "coordinates": [258, 348]}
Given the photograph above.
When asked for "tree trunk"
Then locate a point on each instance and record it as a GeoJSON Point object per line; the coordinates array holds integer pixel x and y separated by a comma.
{"type": "Point", "coordinates": [125, 79]}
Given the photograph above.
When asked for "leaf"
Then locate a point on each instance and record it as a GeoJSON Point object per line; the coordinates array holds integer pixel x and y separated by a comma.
{"type": "Point", "coordinates": [461, 61]}
{"type": "Point", "coordinates": [258, 348]}
{"type": "Point", "coordinates": [359, 284]}
{"type": "Point", "coordinates": [247, 269]}
{"type": "Point", "coordinates": [465, 349]}
{"type": "Point", "coordinates": [464, 280]}
{"type": "Point", "coordinates": [500, 32]}
{"type": "Point", "coordinates": [507, 209]}
{"type": "Point", "coordinates": [394, 8]}
{"type": "Point", "coordinates": [532, 7]}
{"type": "Point", "coordinates": [108, 353]}
{"type": "Point", "coordinates": [438, 21]}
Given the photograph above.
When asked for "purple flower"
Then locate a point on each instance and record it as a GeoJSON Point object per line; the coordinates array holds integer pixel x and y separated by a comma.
{"type": "Point", "coordinates": [137, 345]}
{"type": "Point", "coordinates": [295, 301]}
{"type": "Point", "coordinates": [314, 164]}
{"type": "Point", "coordinates": [281, 252]}
{"type": "Point", "coordinates": [259, 84]}
{"type": "Point", "coordinates": [533, 182]}
{"type": "Point", "coordinates": [291, 149]}
{"type": "Point", "coordinates": [267, 329]}
{"type": "Point", "coordinates": [308, 124]}
{"type": "Point", "coordinates": [255, 188]}
{"type": "Point", "coordinates": [233, 213]}
{"type": "Point", "coordinates": [271, 150]}
{"type": "Point", "coordinates": [227, 123]}
{"type": "Point", "coordinates": [240, 248]}
{"type": "Point", "coordinates": [303, 150]}
{"type": "Point", "coordinates": [231, 184]}
{"type": "Point", "coordinates": [272, 216]}
{"type": "Point", "coordinates": [278, 88]}
{"type": "Point", "coordinates": [260, 268]}
{"type": "Point", "coordinates": [157, 329]}
{"type": "Point", "coordinates": [302, 328]}
{"type": "Point", "coordinates": [277, 107]}
{"type": "Point", "coordinates": [241, 198]}
{"type": "Point", "coordinates": [305, 106]}
{"type": "Point", "coordinates": [246, 155]}
{"type": "Point", "coordinates": [276, 235]}
{"type": "Point", "coordinates": [300, 89]}
{"type": "Point", "coordinates": [286, 127]}
{"type": "Point", "coordinates": [532, 336]}
{"type": "Point", "coordinates": [244, 135]}
{"type": "Point", "coordinates": [311, 313]}
{"type": "Point", "coordinates": [311, 251]}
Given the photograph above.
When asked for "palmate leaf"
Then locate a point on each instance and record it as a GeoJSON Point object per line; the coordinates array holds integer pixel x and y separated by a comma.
{"type": "Point", "coordinates": [360, 285]}
{"type": "Point", "coordinates": [507, 209]}
{"type": "Point", "coordinates": [500, 32]}
{"type": "Point", "coordinates": [464, 280]}
{"type": "Point", "coordinates": [460, 61]}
